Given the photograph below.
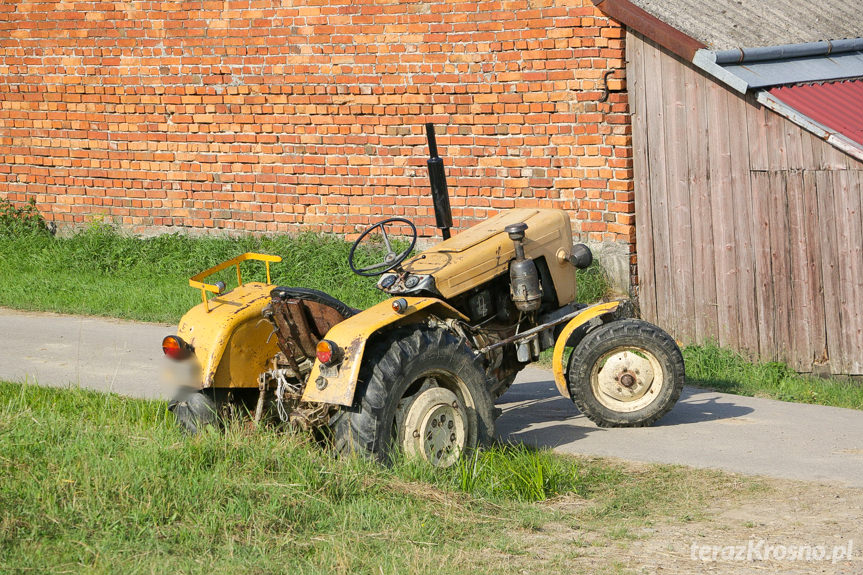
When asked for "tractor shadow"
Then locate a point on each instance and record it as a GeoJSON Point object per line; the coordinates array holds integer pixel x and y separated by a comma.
{"type": "Point", "coordinates": [534, 413]}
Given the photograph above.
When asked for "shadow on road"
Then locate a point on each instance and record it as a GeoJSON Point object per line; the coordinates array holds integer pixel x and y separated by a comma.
{"type": "Point", "coordinates": [698, 405]}
{"type": "Point", "coordinates": [536, 414]}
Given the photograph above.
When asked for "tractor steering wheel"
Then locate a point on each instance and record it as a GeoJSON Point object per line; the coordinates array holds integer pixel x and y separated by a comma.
{"type": "Point", "coordinates": [392, 259]}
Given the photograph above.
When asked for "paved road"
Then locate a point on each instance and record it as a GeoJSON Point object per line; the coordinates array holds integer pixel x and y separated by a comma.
{"type": "Point", "coordinates": [97, 353]}
{"type": "Point", "coordinates": [705, 429]}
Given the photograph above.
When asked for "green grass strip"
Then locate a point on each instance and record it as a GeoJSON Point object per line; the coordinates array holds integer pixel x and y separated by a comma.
{"type": "Point", "coordinates": [98, 483]}
{"type": "Point", "coordinates": [725, 370]}
{"type": "Point", "coordinates": [100, 271]}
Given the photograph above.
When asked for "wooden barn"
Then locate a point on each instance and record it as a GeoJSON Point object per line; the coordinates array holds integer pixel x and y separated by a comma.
{"type": "Point", "coordinates": [747, 122]}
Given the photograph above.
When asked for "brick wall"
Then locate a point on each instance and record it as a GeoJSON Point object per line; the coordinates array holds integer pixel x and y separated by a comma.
{"type": "Point", "coordinates": [265, 116]}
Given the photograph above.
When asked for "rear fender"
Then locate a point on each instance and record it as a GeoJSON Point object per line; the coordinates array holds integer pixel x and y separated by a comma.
{"type": "Point", "coordinates": [336, 385]}
{"type": "Point", "coordinates": [582, 318]}
{"type": "Point", "coordinates": [230, 337]}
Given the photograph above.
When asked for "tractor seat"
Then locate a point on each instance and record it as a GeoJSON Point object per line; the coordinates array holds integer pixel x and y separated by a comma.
{"type": "Point", "coordinates": [302, 317]}
{"type": "Point", "coordinates": [313, 295]}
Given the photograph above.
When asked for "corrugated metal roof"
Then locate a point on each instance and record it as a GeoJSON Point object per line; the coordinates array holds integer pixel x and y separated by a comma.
{"type": "Point", "coordinates": [837, 106]}
{"type": "Point", "coordinates": [725, 24]}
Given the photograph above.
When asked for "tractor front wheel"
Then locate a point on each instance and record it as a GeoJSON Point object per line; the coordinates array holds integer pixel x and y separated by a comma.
{"type": "Point", "coordinates": [627, 373]}
{"type": "Point", "coordinates": [420, 392]}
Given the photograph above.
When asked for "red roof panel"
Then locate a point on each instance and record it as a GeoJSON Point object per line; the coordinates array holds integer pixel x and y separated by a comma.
{"type": "Point", "coordinates": [836, 105]}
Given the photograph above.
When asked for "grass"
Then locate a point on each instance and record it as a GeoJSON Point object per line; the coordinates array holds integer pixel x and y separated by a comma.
{"type": "Point", "coordinates": [100, 271]}
{"type": "Point", "coordinates": [592, 284]}
{"type": "Point", "coordinates": [98, 483]}
{"type": "Point", "coordinates": [721, 369]}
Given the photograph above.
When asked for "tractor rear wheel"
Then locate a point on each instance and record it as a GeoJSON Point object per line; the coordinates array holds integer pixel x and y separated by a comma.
{"type": "Point", "coordinates": [627, 373]}
{"type": "Point", "coordinates": [194, 410]}
{"type": "Point", "coordinates": [420, 392]}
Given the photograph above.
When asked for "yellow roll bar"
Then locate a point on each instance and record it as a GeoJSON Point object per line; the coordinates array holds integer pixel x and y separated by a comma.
{"type": "Point", "coordinates": [197, 281]}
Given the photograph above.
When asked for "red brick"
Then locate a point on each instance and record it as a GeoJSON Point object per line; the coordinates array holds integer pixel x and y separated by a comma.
{"type": "Point", "coordinates": [321, 129]}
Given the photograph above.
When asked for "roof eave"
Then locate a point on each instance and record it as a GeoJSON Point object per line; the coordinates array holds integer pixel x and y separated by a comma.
{"type": "Point", "coordinates": [744, 69]}
{"type": "Point", "coordinates": [650, 26]}
{"type": "Point", "coordinates": [696, 52]}
{"type": "Point", "coordinates": [832, 137]}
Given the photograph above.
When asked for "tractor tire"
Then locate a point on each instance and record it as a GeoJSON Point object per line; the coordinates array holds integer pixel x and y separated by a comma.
{"type": "Point", "coordinates": [627, 373]}
{"type": "Point", "coordinates": [194, 411]}
{"type": "Point", "coordinates": [421, 392]}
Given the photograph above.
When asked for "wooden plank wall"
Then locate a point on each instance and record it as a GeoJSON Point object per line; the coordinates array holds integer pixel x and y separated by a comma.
{"type": "Point", "coordinates": [749, 228]}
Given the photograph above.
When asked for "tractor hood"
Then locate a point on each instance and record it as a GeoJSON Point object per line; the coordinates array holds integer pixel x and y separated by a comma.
{"type": "Point", "coordinates": [483, 252]}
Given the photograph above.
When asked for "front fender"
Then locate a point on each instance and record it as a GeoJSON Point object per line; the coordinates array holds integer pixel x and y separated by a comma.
{"type": "Point", "coordinates": [336, 385]}
{"type": "Point", "coordinates": [582, 318]}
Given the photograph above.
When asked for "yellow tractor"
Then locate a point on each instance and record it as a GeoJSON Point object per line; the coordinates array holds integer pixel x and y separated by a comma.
{"type": "Point", "coordinates": [419, 372]}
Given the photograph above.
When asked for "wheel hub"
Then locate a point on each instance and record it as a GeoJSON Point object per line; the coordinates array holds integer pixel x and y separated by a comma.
{"type": "Point", "coordinates": [625, 376]}
{"type": "Point", "coordinates": [435, 427]}
{"type": "Point", "coordinates": [627, 380]}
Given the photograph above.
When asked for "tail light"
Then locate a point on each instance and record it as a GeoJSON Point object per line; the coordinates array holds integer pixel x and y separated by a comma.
{"type": "Point", "coordinates": [327, 352]}
{"type": "Point", "coordinates": [176, 348]}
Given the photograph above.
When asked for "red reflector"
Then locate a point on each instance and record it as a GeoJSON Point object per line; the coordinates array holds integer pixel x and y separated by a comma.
{"type": "Point", "coordinates": [175, 348]}
{"type": "Point", "coordinates": [326, 351]}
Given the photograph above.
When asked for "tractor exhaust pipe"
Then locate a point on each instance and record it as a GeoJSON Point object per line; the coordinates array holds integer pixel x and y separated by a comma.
{"type": "Point", "coordinates": [437, 180]}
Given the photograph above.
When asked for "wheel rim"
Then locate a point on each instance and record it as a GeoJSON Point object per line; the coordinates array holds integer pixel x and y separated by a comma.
{"type": "Point", "coordinates": [435, 427]}
{"type": "Point", "coordinates": [626, 379]}
{"type": "Point", "coordinates": [437, 424]}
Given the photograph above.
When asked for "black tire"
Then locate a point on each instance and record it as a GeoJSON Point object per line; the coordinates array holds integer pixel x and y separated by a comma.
{"type": "Point", "coordinates": [607, 343]}
{"type": "Point", "coordinates": [394, 373]}
{"type": "Point", "coordinates": [194, 410]}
